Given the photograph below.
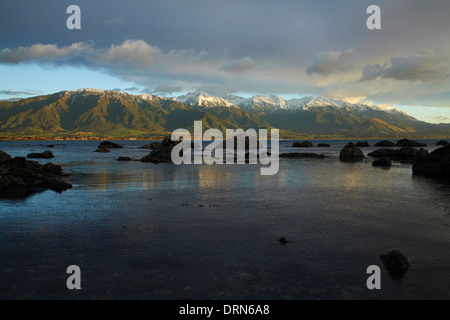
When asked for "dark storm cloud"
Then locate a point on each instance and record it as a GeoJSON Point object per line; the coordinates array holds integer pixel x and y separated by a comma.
{"type": "Point", "coordinates": [325, 63]}
{"type": "Point", "coordinates": [423, 66]}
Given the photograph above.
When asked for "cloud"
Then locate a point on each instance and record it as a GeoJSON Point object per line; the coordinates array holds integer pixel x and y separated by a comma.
{"type": "Point", "coordinates": [422, 66]}
{"type": "Point", "coordinates": [115, 21]}
{"type": "Point", "coordinates": [442, 118]}
{"type": "Point", "coordinates": [43, 53]}
{"type": "Point", "coordinates": [240, 65]}
{"type": "Point", "coordinates": [131, 51]}
{"type": "Point", "coordinates": [326, 63]}
{"type": "Point", "coordinates": [18, 92]}
{"type": "Point", "coordinates": [163, 89]}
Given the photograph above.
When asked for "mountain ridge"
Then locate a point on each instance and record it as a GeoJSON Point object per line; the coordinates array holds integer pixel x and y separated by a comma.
{"type": "Point", "coordinates": [93, 112]}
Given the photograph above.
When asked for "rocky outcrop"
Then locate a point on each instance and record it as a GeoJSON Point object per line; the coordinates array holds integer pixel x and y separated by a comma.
{"type": "Point", "coordinates": [304, 144]}
{"type": "Point", "coordinates": [351, 153]}
{"type": "Point", "coordinates": [102, 149]}
{"type": "Point", "coordinates": [323, 145]}
{"type": "Point", "coordinates": [302, 155]}
{"type": "Point", "coordinates": [396, 263]}
{"type": "Point", "coordinates": [161, 153]}
{"type": "Point", "coordinates": [151, 145]}
{"type": "Point", "coordinates": [403, 154]}
{"type": "Point", "coordinates": [44, 155]}
{"type": "Point", "coordinates": [362, 144]}
{"type": "Point", "coordinates": [109, 145]}
{"type": "Point", "coordinates": [20, 177]}
{"type": "Point", "coordinates": [443, 143]}
{"type": "Point", "coordinates": [383, 162]}
{"type": "Point", "coordinates": [124, 159]}
{"type": "Point", "coordinates": [409, 143]}
{"type": "Point", "coordinates": [436, 164]}
{"type": "Point", "coordinates": [385, 144]}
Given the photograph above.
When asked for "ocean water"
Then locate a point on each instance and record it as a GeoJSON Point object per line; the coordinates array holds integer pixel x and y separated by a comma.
{"type": "Point", "coordinates": [160, 231]}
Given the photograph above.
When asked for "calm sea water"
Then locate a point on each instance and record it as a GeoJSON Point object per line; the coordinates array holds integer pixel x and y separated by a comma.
{"type": "Point", "coordinates": [145, 231]}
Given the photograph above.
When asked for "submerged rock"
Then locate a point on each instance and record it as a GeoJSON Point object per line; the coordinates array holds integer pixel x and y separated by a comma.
{"type": "Point", "coordinates": [124, 159]}
{"type": "Point", "coordinates": [44, 155]}
{"type": "Point", "coordinates": [20, 176]}
{"type": "Point", "coordinates": [383, 162]}
{"type": "Point", "coordinates": [362, 144]}
{"type": "Point", "coordinates": [304, 144]}
{"type": "Point", "coordinates": [283, 240]}
{"type": "Point", "coordinates": [161, 153]}
{"type": "Point", "coordinates": [409, 143]}
{"type": "Point", "coordinates": [50, 146]}
{"type": "Point", "coordinates": [351, 153]}
{"type": "Point", "coordinates": [102, 149]}
{"type": "Point", "coordinates": [109, 145]}
{"type": "Point", "coordinates": [151, 145]}
{"type": "Point", "coordinates": [396, 263]}
{"type": "Point", "coordinates": [302, 155]}
{"type": "Point", "coordinates": [436, 164]}
{"type": "Point", "coordinates": [404, 154]}
{"type": "Point", "coordinates": [323, 145]}
{"type": "Point", "coordinates": [385, 144]}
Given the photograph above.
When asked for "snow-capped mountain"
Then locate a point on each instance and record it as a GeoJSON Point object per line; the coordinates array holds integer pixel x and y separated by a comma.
{"type": "Point", "coordinates": [203, 99]}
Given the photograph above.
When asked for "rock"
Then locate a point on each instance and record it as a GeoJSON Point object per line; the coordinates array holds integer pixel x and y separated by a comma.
{"type": "Point", "coordinates": [351, 153]}
{"type": "Point", "coordinates": [161, 153]}
{"type": "Point", "coordinates": [109, 145]}
{"type": "Point", "coordinates": [410, 143]}
{"type": "Point", "coordinates": [151, 145]}
{"type": "Point", "coordinates": [383, 162]}
{"type": "Point", "coordinates": [404, 154]}
{"type": "Point", "coordinates": [124, 159]}
{"type": "Point", "coordinates": [283, 240]}
{"type": "Point", "coordinates": [362, 144]}
{"type": "Point", "coordinates": [436, 164]}
{"type": "Point", "coordinates": [50, 146]}
{"type": "Point", "coordinates": [396, 263]}
{"type": "Point", "coordinates": [20, 177]}
{"type": "Point", "coordinates": [4, 157]}
{"type": "Point", "coordinates": [385, 144]}
{"type": "Point", "coordinates": [44, 155]}
{"type": "Point", "coordinates": [323, 145]}
{"type": "Point", "coordinates": [304, 144]}
{"type": "Point", "coordinates": [102, 149]}
{"type": "Point", "coordinates": [443, 143]}
{"type": "Point", "coordinates": [302, 155]}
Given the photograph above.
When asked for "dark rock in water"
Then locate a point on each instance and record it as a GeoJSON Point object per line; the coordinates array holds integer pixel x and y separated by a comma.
{"type": "Point", "coordinates": [44, 155]}
{"type": "Point", "coordinates": [443, 143]}
{"type": "Point", "coordinates": [151, 145]}
{"type": "Point", "coordinates": [161, 153]}
{"type": "Point", "coordinates": [385, 144]}
{"type": "Point", "coordinates": [396, 263]}
{"type": "Point", "coordinates": [362, 144]}
{"type": "Point", "coordinates": [323, 145]}
{"type": "Point", "coordinates": [124, 159]}
{"type": "Point", "coordinates": [50, 146]}
{"type": "Point", "coordinates": [21, 177]}
{"type": "Point", "coordinates": [109, 145]}
{"type": "Point", "coordinates": [436, 164]}
{"type": "Point", "coordinates": [383, 162]}
{"type": "Point", "coordinates": [410, 143]}
{"type": "Point", "coordinates": [4, 157]}
{"type": "Point", "coordinates": [102, 149]}
{"type": "Point", "coordinates": [283, 240]}
{"type": "Point", "coordinates": [304, 144]}
{"type": "Point", "coordinates": [302, 155]}
{"type": "Point", "coordinates": [351, 153]}
{"type": "Point", "coordinates": [404, 154]}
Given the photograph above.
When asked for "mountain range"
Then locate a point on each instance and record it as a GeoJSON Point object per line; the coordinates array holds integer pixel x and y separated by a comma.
{"type": "Point", "coordinates": [100, 113]}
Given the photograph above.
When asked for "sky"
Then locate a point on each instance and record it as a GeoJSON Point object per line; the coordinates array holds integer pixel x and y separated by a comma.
{"type": "Point", "coordinates": [290, 48]}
